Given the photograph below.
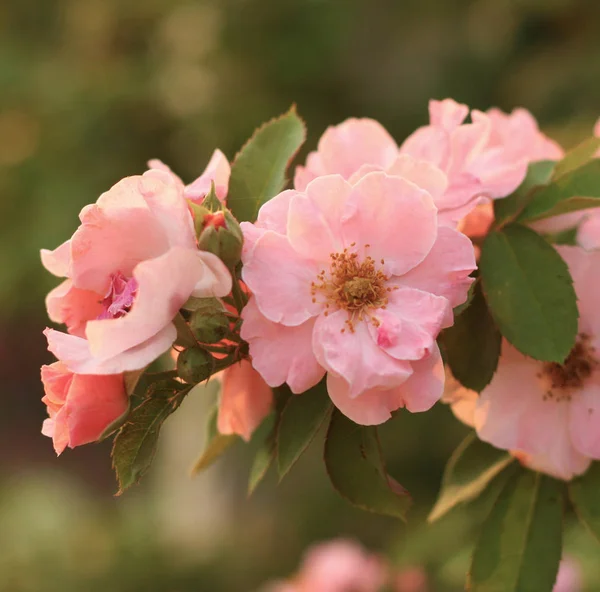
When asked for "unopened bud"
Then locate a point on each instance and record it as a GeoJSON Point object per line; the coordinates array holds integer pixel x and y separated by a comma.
{"type": "Point", "coordinates": [223, 237]}
{"type": "Point", "coordinates": [195, 365]}
{"type": "Point", "coordinates": [209, 324]}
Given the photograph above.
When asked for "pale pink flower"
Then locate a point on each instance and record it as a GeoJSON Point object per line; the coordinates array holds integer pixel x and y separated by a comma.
{"type": "Point", "coordinates": [569, 576]}
{"type": "Point", "coordinates": [245, 400]}
{"type": "Point", "coordinates": [356, 281]}
{"type": "Point", "coordinates": [487, 158]}
{"type": "Point", "coordinates": [217, 171]}
{"type": "Point", "coordinates": [337, 566]}
{"type": "Point", "coordinates": [546, 414]}
{"type": "Point", "coordinates": [130, 266]}
{"type": "Point", "coordinates": [410, 579]}
{"type": "Point", "coordinates": [80, 407]}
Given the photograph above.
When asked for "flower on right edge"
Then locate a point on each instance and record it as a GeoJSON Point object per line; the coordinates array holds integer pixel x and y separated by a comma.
{"type": "Point", "coordinates": [546, 414]}
{"type": "Point", "coordinates": [356, 281]}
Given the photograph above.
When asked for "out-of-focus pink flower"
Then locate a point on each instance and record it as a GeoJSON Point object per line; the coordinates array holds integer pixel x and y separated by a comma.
{"type": "Point", "coordinates": [80, 407]}
{"type": "Point", "coordinates": [410, 579]}
{"type": "Point", "coordinates": [546, 414]}
{"type": "Point", "coordinates": [245, 400]}
{"type": "Point", "coordinates": [569, 576]}
{"type": "Point", "coordinates": [486, 158]}
{"type": "Point", "coordinates": [217, 171]}
{"type": "Point", "coordinates": [337, 566]}
{"type": "Point", "coordinates": [130, 266]}
{"type": "Point", "coordinates": [356, 281]}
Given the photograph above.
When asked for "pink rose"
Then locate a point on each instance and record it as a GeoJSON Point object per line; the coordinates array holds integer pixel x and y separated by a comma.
{"type": "Point", "coordinates": [80, 407]}
{"type": "Point", "coordinates": [356, 281]}
{"type": "Point", "coordinates": [546, 414]}
{"type": "Point", "coordinates": [486, 158]}
{"type": "Point", "coordinates": [217, 171]}
{"type": "Point", "coordinates": [130, 266]}
{"type": "Point", "coordinates": [245, 400]}
{"type": "Point", "coordinates": [569, 576]}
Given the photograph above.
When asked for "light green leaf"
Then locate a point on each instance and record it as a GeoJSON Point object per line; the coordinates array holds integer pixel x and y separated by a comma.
{"type": "Point", "coordinates": [577, 157]}
{"type": "Point", "coordinates": [135, 444]}
{"type": "Point", "coordinates": [258, 172]}
{"type": "Point", "coordinates": [300, 421]}
{"type": "Point", "coordinates": [472, 466]}
{"type": "Point", "coordinates": [578, 189]}
{"type": "Point", "coordinates": [585, 497]}
{"type": "Point", "coordinates": [355, 467]}
{"type": "Point", "coordinates": [215, 443]}
{"type": "Point", "coordinates": [520, 545]}
{"type": "Point", "coordinates": [472, 344]}
{"type": "Point", "coordinates": [507, 208]}
{"type": "Point", "coordinates": [529, 291]}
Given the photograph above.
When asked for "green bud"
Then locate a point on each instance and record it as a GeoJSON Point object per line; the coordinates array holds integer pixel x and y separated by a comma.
{"type": "Point", "coordinates": [195, 365]}
{"type": "Point", "coordinates": [209, 324]}
{"type": "Point", "coordinates": [223, 237]}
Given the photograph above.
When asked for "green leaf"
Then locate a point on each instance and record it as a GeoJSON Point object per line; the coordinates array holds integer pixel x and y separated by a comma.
{"type": "Point", "coordinates": [585, 497]}
{"type": "Point", "coordinates": [300, 421]}
{"type": "Point", "coordinates": [258, 172]}
{"type": "Point", "coordinates": [135, 444]}
{"type": "Point", "coordinates": [529, 291]}
{"type": "Point", "coordinates": [578, 189]}
{"type": "Point", "coordinates": [538, 173]}
{"type": "Point", "coordinates": [266, 436]}
{"type": "Point", "coordinates": [472, 466]}
{"type": "Point", "coordinates": [520, 545]}
{"type": "Point", "coordinates": [564, 237]}
{"type": "Point", "coordinates": [355, 467]}
{"type": "Point", "coordinates": [577, 157]}
{"type": "Point", "coordinates": [215, 443]}
{"type": "Point", "coordinates": [472, 344]}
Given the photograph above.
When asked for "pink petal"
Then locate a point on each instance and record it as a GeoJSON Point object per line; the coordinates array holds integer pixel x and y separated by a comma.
{"type": "Point", "coordinates": [159, 165]}
{"type": "Point", "coordinates": [273, 215]}
{"type": "Point", "coordinates": [397, 219]}
{"type": "Point", "coordinates": [430, 144]}
{"type": "Point", "coordinates": [314, 219]}
{"type": "Point", "coordinates": [58, 262]}
{"type": "Point", "coordinates": [423, 174]}
{"type": "Point", "coordinates": [283, 296]}
{"type": "Point", "coordinates": [218, 171]}
{"type": "Point", "coordinates": [245, 400]}
{"type": "Point", "coordinates": [73, 307]}
{"type": "Point", "coordinates": [346, 147]}
{"type": "Point", "coordinates": [445, 271]}
{"type": "Point", "coordinates": [279, 353]}
{"type": "Point", "coordinates": [75, 353]}
{"type": "Point", "coordinates": [588, 234]}
{"type": "Point", "coordinates": [354, 356]}
{"type": "Point", "coordinates": [314, 168]}
{"type": "Point", "coordinates": [585, 419]}
{"type": "Point", "coordinates": [164, 285]}
{"type": "Point", "coordinates": [410, 323]}
{"type": "Point", "coordinates": [214, 280]}
{"type": "Point", "coordinates": [564, 467]}
{"type": "Point", "coordinates": [447, 114]}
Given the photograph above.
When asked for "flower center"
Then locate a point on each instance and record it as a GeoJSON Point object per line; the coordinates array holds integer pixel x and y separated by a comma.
{"type": "Point", "coordinates": [119, 297]}
{"type": "Point", "coordinates": [356, 286]}
{"type": "Point", "coordinates": [564, 378]}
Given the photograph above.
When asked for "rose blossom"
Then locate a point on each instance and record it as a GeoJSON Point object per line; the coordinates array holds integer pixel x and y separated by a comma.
{"type": "Point", "coordinates": [355, 280]}
{"type": "Point", "coordinates": [217, 171]}
{"type": "Point", "coordinates": [546, 414]}
{"type": "Point", "coordinates": [337, 566]}
{"type": "Point", "coordinates": [80, 407]}
{"type": "Point", "coordinates": [130, 266]}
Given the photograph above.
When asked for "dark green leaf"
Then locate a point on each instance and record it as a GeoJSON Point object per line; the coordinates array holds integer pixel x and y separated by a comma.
{"type": "Point", "coordinates": [300, 421]}
{"type": "Point", "coordinates": [520, 546]}
{"type": "Point", "coordinates": [356, 470]}
{"type": "Point", "coordinates": [529, 291]}
{"type": "Point", "coordinates": [538, 173]}
{"type": "Point", "coordinates": [577, 157]}
{"type": "Point", "coordinates": [258, 172]}
{"type": "Point", "coordinates": [585, 497]}
{"type": "Point", "coordinates": [469, 471]}
{"type": "Point", "coordinates": [578, 189]}
{"type": "Point", "coordinates": [135, 444]}
{"type": "Point", "coordinates": [215, 443]}
{"type": "Point", "coordinates": [472, 344]}
{"type": "Point", "coordinates": [266, 436]}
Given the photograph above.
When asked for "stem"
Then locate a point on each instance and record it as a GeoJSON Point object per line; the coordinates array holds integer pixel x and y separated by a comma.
{"type": "Point", "coordinates": [238, 295]}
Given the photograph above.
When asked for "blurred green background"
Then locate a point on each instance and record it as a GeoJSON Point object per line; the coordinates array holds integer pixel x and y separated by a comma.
{"type": "Point", "coordinates": [89, 91]}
